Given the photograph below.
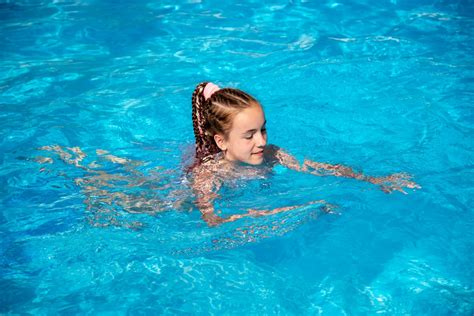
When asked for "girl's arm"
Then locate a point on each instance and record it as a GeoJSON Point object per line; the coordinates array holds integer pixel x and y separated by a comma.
{"type": "Point", "coordinates": [206, 185]}
{"type": "Point", "coordinates": [393, 182]}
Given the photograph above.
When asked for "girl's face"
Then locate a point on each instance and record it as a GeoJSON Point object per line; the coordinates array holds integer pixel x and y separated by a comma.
{"type": "Point", "coordinates": [247, 137]}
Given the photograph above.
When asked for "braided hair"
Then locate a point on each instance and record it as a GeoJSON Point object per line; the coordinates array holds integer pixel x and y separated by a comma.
{"type": "Point", "coordinates": [214, 115]}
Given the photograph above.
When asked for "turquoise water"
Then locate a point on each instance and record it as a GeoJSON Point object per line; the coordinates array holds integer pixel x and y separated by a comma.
{"type": "Point", "coordinates": [383, 86]}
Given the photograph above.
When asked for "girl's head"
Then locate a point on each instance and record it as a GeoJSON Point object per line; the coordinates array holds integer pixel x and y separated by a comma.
{"type": "Point", "coordinates": [228, 120]}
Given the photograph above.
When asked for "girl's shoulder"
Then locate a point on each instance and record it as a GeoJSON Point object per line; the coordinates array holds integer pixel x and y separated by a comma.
{"type": "Point", "coordinates": [271, 153]}
{"type": "Point", "coordinates": [209, 166]}
{"type": "Point", "coordinates": [271, 148]}
{"type": "Point", "coordinates": [278, 156]}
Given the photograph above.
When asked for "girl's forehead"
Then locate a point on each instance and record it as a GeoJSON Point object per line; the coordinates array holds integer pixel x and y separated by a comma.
{"type": "Point", "coordinates": [250, 118]}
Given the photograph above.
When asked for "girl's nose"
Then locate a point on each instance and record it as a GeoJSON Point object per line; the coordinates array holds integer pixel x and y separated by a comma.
{"type": "Point", "coordinates": [261, 140]}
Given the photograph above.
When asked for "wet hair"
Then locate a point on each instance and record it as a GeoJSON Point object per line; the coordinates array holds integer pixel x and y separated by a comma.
{"type": "Point", "coordinates": [214, 116]}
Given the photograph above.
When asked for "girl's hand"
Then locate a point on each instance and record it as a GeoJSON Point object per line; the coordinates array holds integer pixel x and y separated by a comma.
{"type": "Point", "coordinates": [212, 219]}
{"type": "Point", "coordinates": [330, 208]}
{"type": "Point", "coordinates": [395, 182]}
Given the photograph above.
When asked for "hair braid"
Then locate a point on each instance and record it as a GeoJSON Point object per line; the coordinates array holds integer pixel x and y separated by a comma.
{"type": "Point", "coordinates": [205, 145]}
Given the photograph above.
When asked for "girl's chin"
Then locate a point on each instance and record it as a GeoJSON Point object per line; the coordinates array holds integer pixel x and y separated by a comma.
{"type": "Point", "coordinates": [256, 160]}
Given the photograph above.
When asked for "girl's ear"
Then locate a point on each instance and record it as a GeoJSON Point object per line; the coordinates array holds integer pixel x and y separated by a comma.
{"type": "Point", "coordinates": [220, 141]}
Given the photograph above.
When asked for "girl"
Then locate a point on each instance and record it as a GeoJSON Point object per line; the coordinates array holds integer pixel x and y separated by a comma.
{"type": "Point", "coordinates": [229, 128]}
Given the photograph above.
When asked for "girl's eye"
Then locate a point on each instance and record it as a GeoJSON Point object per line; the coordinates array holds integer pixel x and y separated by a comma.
{"type": "Point", "coordinates": [248, 137]}
{"type": "Point", "coordinates": [264, 130]}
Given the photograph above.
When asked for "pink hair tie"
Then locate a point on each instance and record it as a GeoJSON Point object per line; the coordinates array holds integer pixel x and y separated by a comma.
{"type": "Point", "coordinates": [210, 89]}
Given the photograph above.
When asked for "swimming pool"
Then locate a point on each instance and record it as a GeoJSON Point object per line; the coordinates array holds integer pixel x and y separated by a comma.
{"type": "Point", "coordinates": [383, 86]}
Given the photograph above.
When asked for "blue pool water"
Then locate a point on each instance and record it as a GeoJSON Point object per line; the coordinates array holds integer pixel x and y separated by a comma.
{"type": "Point", "coordinates": [382, 86]}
